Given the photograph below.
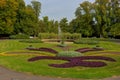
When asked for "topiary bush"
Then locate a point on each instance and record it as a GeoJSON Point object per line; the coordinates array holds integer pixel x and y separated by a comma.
{"type": "Point", "coordinates": [19, 36]}
{"type": "Point", "coordinates": [69, 54]}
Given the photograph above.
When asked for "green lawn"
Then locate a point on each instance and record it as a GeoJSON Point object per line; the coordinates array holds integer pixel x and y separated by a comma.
{"type": "Point", "coordinates": [20, 63]}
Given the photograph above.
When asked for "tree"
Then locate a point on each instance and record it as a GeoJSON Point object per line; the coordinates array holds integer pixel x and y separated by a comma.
{"type": "Point", "coordinates": [64, 25]}
{"type": "Point", "coordinates": [115, 30]}
{"type": "Point", "coordinates": [29, 22]}
{"type": "Point", "coordinates": [8, 14]}
{"type": "Point", "coordinates": [37, 8]}
{"type": "Point", "coordinates": [36, 5]}
{"type": "Point", "coordinates": [20, 17]}
{"type": "Point", "coordinates": [101, 16]}
{"type": "Point", "coordinates": [48, 26]}
{"type": "Point", "coordinates": [84, 18]}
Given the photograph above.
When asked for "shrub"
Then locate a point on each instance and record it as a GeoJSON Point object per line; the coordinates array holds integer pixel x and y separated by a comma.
{"type": "Point", "coordinates": [76, 36]}
{"type": "Point", "coordinates": [69, 54]}
{"type": "Point", "coordinates": [90, 42]}
{"type": "Point", "coordinates": [31, 41]}
{"type": "Point", "coordinates": [56, 36]}
{"type": "Point", "coordinates": [19, 36]}
{"type": "Point", "coordinates": [47, 36]}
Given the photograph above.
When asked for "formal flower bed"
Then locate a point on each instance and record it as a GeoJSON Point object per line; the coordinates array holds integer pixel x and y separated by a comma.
{"type": "Point", "coordinates": [83, 50]}
{"type": "Point", "coordinates": [73, 58]}
{"type": "Point", "coordinates": [76, 61]}
{"type": "Point", "coordinates": [81, 63]}
{"type": "Point", "coordinates": [44, 49]}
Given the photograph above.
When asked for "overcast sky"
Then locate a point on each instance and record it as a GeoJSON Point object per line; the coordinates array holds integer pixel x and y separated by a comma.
{"type": "Point", "coordinates": [57, 9]}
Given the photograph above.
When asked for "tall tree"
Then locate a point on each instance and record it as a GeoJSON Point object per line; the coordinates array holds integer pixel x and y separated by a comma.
{"type": "Point", "coordinates": [37, 9]}
{"type": "Point", "coordinates": [8, 14]}
{"type": "Point", "coordinates": [20, 17]}
{"type": "Point", "coordinates": [84, 18]}
{"type": "Point", "coordinates": [64, 25]}
{"type": "Point", "coordinates": [101, 16]}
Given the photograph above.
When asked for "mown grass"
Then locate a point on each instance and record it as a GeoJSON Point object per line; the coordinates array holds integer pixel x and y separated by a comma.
{"type": "Point", "coordinates": [20, 63]}
{"type": "Point", "coordinates": [11, 45]}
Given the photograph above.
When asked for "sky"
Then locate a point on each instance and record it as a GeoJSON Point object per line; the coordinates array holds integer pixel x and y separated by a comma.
{"type": "Point", "coordinates": [58, 9]}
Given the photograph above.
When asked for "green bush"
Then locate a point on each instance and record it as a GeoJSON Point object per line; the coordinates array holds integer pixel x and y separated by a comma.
{"type": "Point", "coordinates": [76, 36]}
{"type": "Point", "coordinates": [31, 41]}
{"type": "Point", "coordinates": [19, 36]}
{"type": "Point", "coordinates": [47, 36]}
{"type": "Point", "coordinates": [69, 54]}
{"type": "Point", "coordinates": [56, 36]}
{"type": "Point", "coordinates": [91, 42]}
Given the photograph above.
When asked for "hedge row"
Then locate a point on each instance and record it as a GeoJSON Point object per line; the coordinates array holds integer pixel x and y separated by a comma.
{"type": "Point", "coordinates": [56, 36]}
{"type": "Point", "coordinates": [90, 42]}
{"type": "Point", "coordinates": [31, 41]}
{"type": "Point", "coordinates": [19, 36]}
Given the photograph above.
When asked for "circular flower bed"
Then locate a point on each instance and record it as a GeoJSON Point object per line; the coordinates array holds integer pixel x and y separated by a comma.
{"type": "Point", "coordinates": [73, 58]}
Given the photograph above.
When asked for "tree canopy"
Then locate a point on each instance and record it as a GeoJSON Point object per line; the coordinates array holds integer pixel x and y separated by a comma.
{"type": "Point", "coordinates": [98, 19]}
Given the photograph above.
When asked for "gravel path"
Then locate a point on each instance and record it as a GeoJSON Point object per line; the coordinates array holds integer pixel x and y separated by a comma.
{"type": "Point", "coordinates": [6, 74]}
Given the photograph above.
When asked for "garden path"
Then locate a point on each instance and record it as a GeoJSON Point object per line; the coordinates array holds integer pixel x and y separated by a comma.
{"type": "Point", "coordinates": [6, 74]}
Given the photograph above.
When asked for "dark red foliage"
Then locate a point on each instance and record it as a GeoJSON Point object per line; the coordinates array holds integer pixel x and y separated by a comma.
{"type": "Point", "coordinates": [48, 57]}
{"type": "Point", "coordinates": [92, 58]}
{"type": "Point", "coordinates": [44, 49]}
{"type": "Point", "coordinates": [80, 63]}
{"type": "Point", "coordinates": [83, 50]}
{"type": "Point", "coordinates": [76, 61]}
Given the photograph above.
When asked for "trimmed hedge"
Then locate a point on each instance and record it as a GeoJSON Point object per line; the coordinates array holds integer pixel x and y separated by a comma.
{"type": "Point", "coordinates": [56, 36]}
{"type": "Point", "coordinates": [31, 41]}
{"type": "Point", "coordinates": [69, 54]}
{"type": "Point", "coordinates": [19, 36]}
{"type": "Point", "coordinates": [90, 42]}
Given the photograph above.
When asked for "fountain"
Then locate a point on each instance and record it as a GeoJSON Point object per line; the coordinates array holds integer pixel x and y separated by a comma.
{"type": "Point", "coordinates": [61, 37]}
